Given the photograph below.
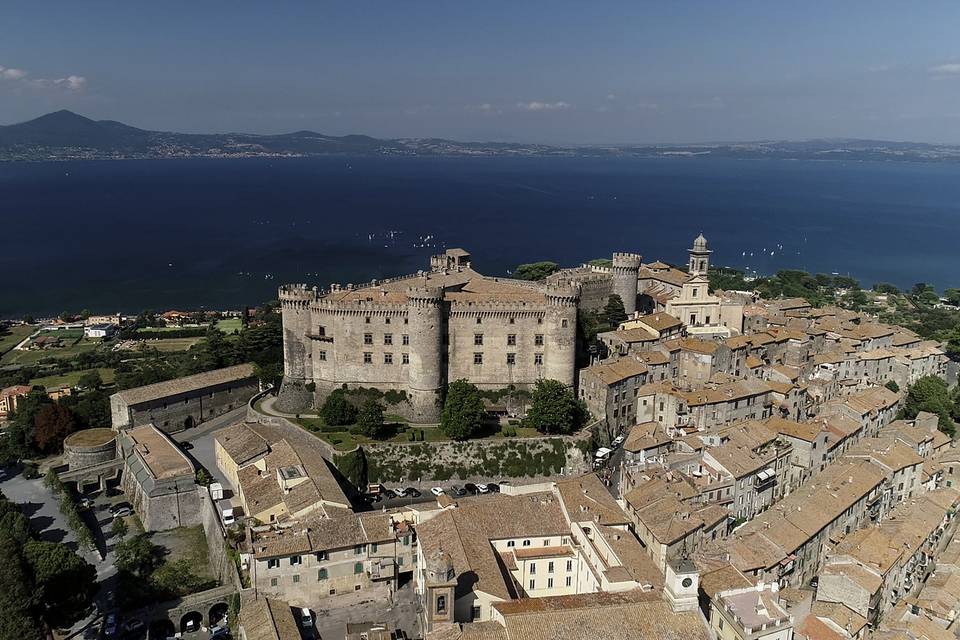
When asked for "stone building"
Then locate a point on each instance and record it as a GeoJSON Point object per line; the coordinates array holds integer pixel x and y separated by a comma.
{"type": "Point", "coordinates": [185, 402]}
{"type": "Point", "coordinates": [159, 480]}
{"type": "Point", "coordinates": [414, 334]}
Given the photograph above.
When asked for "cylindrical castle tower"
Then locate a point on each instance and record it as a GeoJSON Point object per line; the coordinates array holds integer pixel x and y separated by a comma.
{"type": "Point", "coordinates": [561, 333]}
{"type": "Point", "coordinates": [425, 376]}
{"type": "Point", "coordinates": [626, 270]}
{"type": "Point", "coordinates": [295, 302]}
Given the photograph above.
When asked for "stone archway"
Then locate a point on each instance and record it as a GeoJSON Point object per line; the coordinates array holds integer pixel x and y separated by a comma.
{"type": "Point", "coordinates": [189, 422]}
{"type": "Point", "coordinates": [191, 621]}
{"type": "Point", "coordinates": [218, 613]}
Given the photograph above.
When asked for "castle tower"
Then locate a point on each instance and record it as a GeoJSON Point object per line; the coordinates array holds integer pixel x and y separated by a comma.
{"type": "Point", "coordinates": [425, 375]}
{"type": "Point", "coordinates": [295, 302]}
{"type": "Point", "coordinates": [560, 333]}
{"type": "Point", "coordinates": [626, 268]}
{"type": "Point", "coordinates": [439, 589]}
{"type": "Point", "coordinates": [699, 262]}
{"type": "Point", "coordinates": [682, 585]}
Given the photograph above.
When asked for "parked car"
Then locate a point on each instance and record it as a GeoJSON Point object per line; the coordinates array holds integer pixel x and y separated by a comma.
{"type": "Point", "coordinates": [394, 493]}
{"type": "Point", "coordinates": [410, 492]}
{"type": "Point", "coordinates": [120, 506]}
{"type": "Point", "coordinates": [133, 626]}
{"type": "Point", "coordinates": [618, 441]}
{"type": "Point", "coordinates": [470, 488]}
{"type": "Point", "coordinates": [122, 512]}
{"type": "Point", "coordinates": [493, 487]}
{"type": "Point", "coordinates": [219, 632]}
{"type": "Point", "coordinates": [110, 626]}
{"type": "Point", "coordinates": [437, 491]}
{"type": "Point", "coordinates": [458, 491]}
{"type": "Point", "coordinates": [306, 618]}
{"type": "Point", "coordinates": [186, 446]}
{"type": "Point", "coordinates": [483, 488]}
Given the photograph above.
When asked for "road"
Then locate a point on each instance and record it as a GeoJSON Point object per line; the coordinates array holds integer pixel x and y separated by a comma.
{"type": "Point", "coordinates": [201, 437]}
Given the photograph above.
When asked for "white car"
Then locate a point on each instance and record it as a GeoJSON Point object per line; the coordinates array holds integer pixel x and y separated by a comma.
{"type": "Point", "coordinates": [482, 488]}
{"type": "Point", "coordinates": [437, 491]}
{"type": "Point", "coordinates": [618, 441]}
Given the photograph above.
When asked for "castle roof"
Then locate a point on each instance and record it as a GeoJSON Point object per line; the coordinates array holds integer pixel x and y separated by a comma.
{"type": "Point", "coordinates": [186, 384]}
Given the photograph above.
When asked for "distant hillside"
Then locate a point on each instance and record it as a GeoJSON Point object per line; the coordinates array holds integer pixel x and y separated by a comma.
{"type": "Point", "coordinates": [64, 135]}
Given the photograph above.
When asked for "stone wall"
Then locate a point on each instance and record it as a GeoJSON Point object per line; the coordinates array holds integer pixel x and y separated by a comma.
{"type": "Point", "coordinates": [221, 564]}
{"type": "Point", "coordinates": [164, 506]}
{"type": "Point", "coordinates": [178, 412]}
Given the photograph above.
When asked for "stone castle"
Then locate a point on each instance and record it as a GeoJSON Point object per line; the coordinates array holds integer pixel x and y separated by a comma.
{"type": "Point", "coordinates": [417, 333]}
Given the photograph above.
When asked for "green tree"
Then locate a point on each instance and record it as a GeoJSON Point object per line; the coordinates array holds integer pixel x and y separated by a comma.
{"type": "Point", "coordinates": [613, 311]}
{"type": "Point", "coordinates": [535, 270]}
{"type": "Point", "coordinates": [463, 411]}
{"type": "Point", "coordinates": [370, 420]}
{"type": "Point", "coordinates": [66, 583]}
{"type": "Point", "coordinates": [952, 296]}
{"type": "Point", "coordinates": [337, 410]}
{"type": "Point", "coordinates": [893, 386]}
{"type": "Point", "coordinates": [931, 394]}
{"type": "Point", "coordinates": [90, 380]}
{"type": "Point", "coordinates": [16, 593]}
{"type": "Point", "coordinates": [119, 528]}
{"type": "Point", "coordinates": [203, 477]}
{"type": "Point", "coordinates": [137, 556]}
{"type": "Point", "coordinates": [554, 409]}
{"type": "Point", "coordinates": [886, 287]}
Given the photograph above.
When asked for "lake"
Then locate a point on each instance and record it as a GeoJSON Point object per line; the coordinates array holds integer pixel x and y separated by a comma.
{"type": "Point", "coordinates": [160, 234]}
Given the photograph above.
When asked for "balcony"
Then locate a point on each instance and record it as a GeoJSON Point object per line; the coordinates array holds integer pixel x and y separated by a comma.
{"type": "Point", "coordinates": [320, 338]}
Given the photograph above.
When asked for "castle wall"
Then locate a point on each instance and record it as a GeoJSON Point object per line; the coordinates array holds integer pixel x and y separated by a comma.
{"type": "Point", "coordinates": [494, 328]}
{"type": "Point", "coordinates": [178, 412]}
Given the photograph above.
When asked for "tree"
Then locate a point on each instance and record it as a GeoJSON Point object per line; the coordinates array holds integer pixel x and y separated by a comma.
{"type": "Point", "coordinates": [613, 311]}
{"type": "Point", "coordinates": [16, 593]}
{"type": "Point", "coordinates": [90, 380]}
{"type": "Point", "coordinates": [952, 296]}
{"type": "Point", "coordinates": [886, 287]}
{"type": "Point", "coordinates": [554, 409]}
{"type": "Point", "coordinates": [370, 420]}
{"type": "Point", "coordinates": [337, 410]}
{"type": "Point", "coordinates": [463, 411]}
{"type": "Point", "coordinates": [119, 528]}
{"type": "Point", "coordinates": [931, 394]}
{"type": "Point", "coordinates": [52, 424]}
{"type": "Point", "coordinates": [535, 270]}
{"type": "Point", "coordinates": [137, 556]}
{"type": "Point", "coordinates": [893, 386]}
{"type": "Point", "coordinates": [66, 583]}
{"type": "Point", "coordinates": [203, 477]}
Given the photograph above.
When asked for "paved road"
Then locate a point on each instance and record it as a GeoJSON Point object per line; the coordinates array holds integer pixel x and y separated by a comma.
{"type": "Point", "coordinates": [201, 437]}
{"type": "Point", "coordinates": [40, 506]}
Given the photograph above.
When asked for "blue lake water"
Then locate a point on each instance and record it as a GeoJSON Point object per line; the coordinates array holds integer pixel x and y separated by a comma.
{"type": "Point", "coordinates": [210, 233]}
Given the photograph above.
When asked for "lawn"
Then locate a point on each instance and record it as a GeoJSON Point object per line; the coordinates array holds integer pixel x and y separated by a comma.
{"type": "Point", "coordinates": [229, 325]}
{"type": "Point", "coordinates": [70, 379]}
{"type": "Point", "coordinates": [172, 344]}
{"type": "Point", "coordinates": [59, 353]}
{"type": "Point", "coordinates": [12, 337]}
{"type": "Point", "coordinates": [185, 543]}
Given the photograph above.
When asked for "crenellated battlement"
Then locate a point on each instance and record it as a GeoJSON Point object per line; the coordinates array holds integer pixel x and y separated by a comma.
{"type": "Point", "coordinates": [425, 296]}
{"type": "Point", "coordinates": [623, 260]}
{"type": "Point", "coordinates": [296, 295]}
{"type": "Point", "coordinates": [565, 295]}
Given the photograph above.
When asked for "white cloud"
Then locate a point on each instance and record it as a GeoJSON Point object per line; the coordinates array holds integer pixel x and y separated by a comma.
{"type": "Point", "coordinates": [11, 74]}
{"type": "Point", "coordinates": [543, 106]}
{"type": "Point", "coordinates": [68, 83]}
{"type": "Point", "coordinates": [950, 68]}
{"type": "Point", "coordinates": [485, 108]}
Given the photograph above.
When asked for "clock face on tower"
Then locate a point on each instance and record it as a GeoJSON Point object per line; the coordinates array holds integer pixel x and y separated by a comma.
{"type": "Point", "coordinates": [686, 583]}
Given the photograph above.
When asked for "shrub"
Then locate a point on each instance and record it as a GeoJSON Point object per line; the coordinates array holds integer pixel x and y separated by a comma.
{"type": "Point", "coordinates": [337, 410]}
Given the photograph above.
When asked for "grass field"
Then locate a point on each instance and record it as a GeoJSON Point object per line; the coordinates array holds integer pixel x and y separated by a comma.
{"type": "Point", "coordinates": [70, 379]}
{"type": "Point", "coordinates": [13, 337]}
{"type": "Point", "coordinates": [61, 353]}
{"type": "Point", "coordinates": [172, 344]}
{"type": "Point", "coordinates": [229, 325]}
{"type": "Point", "coordinates": [159, 331]}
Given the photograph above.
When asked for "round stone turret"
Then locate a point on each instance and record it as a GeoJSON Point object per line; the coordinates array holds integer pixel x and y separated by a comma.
{"type": "Point", "coordinates": [90, 447]}
{"type": "Point", "coordinates": [425, 371]}
{"type": "Point", "coordinates": [560, 333]}
{"type": "Point", "coordinates": [626, 268]}
{"type": "Point", "coordinates": [295, 300]}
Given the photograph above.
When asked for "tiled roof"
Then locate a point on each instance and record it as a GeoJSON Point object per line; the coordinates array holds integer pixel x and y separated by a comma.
{"type": "Point", "coordinates": [267, 619]}
{"type": "Point", "coordinates": [618, 370]}
{"type": "Point", "coordinates": [586, 499]}
{"type": "Point", "coordinates": [241, 443]}
{"type": "Point", "coordinates": [186, 384]}
{"type": "Point", "coordinates": [163, 459]}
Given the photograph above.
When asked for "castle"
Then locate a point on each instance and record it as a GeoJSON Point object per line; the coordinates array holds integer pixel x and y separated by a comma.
{"type": "Point", "coordinates": [417, 333]}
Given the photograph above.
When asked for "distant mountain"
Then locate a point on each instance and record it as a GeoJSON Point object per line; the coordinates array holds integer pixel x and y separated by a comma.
{"type": "Point", "coordinates": [65, 135]}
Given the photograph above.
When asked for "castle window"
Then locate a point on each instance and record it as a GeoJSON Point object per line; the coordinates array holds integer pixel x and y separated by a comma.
{"type": "Point", "coordinates": [539, 320]}
{"type": "Point", "coordinates": [358, 568]}
{"type": "Point", "coordinates": [322, 555]}
{"type": "Point", "coordinates": [441, 604]}
{"type": "Point", "coordinates": [367, 358]}
{"type": "Point", "coordinates": [406, 321]}
{"type": "Point", "coordinates": [533, 584]}
{"type": "Point", "coordinates": [322, 355]}
{"type": "Point", "coordinates": [359, 549]}
{"type": "Point", "coordinates": [550, 567]}
{"type": "Point", "coordinates": [478, 358]}
{"type": "Point", "coordinates": [479, 320]}
{"type": "Point", "coordinates": [511, 543]}
{"type": "Point", "coordinates": [526, 543]}
{"type": "Point", "coordinates": [388, 358]}
{"type": "Point", "coordinates": [695, 291]}
{"type": "Point", "coordinates": [511, 358]}
{"type": "Point", "coordinates": [386, 320]}
{"type": "Point", "coordinates": [512, 340]}
{"type": "Point", "coordinates": [273, 582]}
{"type": "Point", "coordinates": [404, 339]}
{"type": "Point", "coordinates": [296, 578]}
{"type": "Point", "coordinates": [538, 358]}
{"type": "Point", "coordinates": [533, 568]}
{"type": "Point", "coordinates": [388, 338]}
{"type": "Point", "coordinates": [366, 320]}
{"type": "Point", "coordinates": [322, 574]}
{"type": "Point", "coordinates": [478, 339]}
{"type": "Point", "coordinates": [295, 561]}
{"type": "Point", "coordinates": [405, 358]}
{"type": "Point", "coordinates": [368, 338]}
{"type": "Point", "coordinates": [569, 580]}
{"type": "Point", "coordinates": [321, 330]}
{"type": "Point", "coordinates": [538, 340]}
{"type": "Point", "coordinates": [549, 583]}
{"type": "Point", "coordinates": [512, 320]}
{"type": "Point", "coordinates": [569, 568]}
{"type": "Point", "coordinates": [563, 323]}
{"type": "Point", "coordinates": [273, 563]}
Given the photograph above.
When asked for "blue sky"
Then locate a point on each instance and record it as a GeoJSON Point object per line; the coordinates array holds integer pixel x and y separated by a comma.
{"type": "Point", "coordinates": [561, 72]}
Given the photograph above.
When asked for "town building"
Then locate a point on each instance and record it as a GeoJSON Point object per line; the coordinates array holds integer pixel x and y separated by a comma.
{"type": "Point", "coordinates": [185, 402]}
{"type": "Point", "coordinates": [750, 613]}
{"type": "Point", "coordinates": [10, 397]}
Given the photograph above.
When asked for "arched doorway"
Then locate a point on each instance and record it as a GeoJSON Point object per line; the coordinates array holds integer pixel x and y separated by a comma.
{"type": "Point", "coordinates": [191, 621]}
{"type": "Point", "coordinates": [161, 630]}
{"type": "Point", "coordinates": [189, 422]}
{"type": "Point", "coordinates": [218, 613]}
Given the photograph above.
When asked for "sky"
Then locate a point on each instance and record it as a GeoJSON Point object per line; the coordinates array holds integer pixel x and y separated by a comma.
{"type": "Point", "coordinates": [526, 71]}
